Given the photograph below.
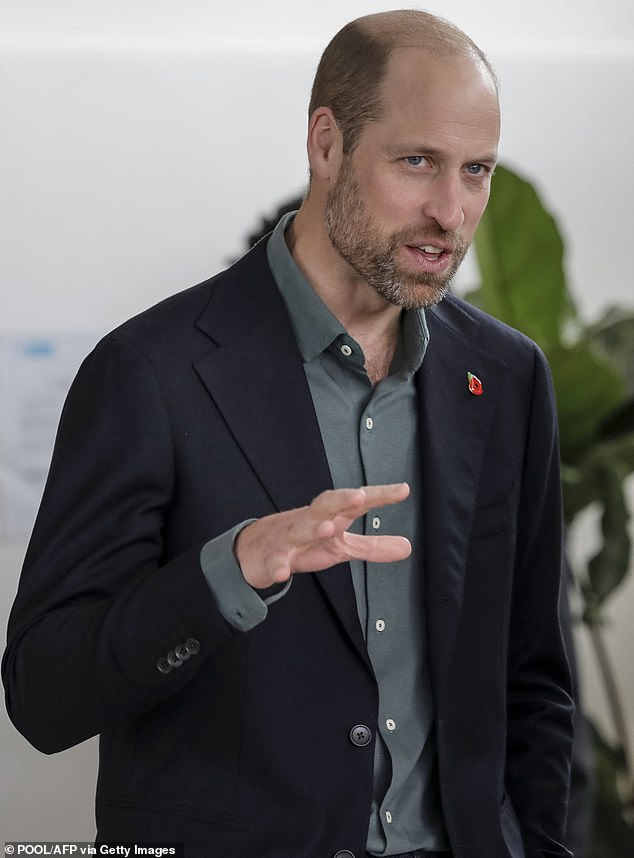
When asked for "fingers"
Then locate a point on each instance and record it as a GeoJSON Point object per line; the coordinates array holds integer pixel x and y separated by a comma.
{"type": "Point", "coordinates": [356, 502]}
{"type": "Point", "coordinates": [377, 549]}
{"type": "Point", "coordinates": [332, 512]}
{"type": "Point", "coordinates": [316, 537]}
{"type": "Point", "coordinates": [387, 494]}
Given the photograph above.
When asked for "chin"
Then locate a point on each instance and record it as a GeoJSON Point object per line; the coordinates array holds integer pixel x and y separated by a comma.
{"type": "Point", "coordinates": [414, 296]}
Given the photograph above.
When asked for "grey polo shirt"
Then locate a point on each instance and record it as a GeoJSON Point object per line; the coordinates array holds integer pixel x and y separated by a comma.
{"type": "Point", "coordinates": [370, 434]}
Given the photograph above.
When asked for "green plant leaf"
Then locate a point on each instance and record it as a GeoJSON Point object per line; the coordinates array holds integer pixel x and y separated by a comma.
{"type": "Point", "coordinates": [613, 336]}
{"type": "Point", "coordinates": [589, 391]}
{"type": "Point", "coordinates": [584, 482]}
{"type": "Point", "coordinates": [609, 566]}
{"type": "Point", "coordinates": [610, 836]}
{"type": "Point", "coordinates": [520, 254]}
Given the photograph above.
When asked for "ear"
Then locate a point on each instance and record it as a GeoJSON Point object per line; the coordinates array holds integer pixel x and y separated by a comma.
{"type": "Point", "coordinates": [325, 144]}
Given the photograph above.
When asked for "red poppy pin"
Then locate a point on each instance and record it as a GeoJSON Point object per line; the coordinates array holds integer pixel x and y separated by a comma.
{"type": "Point", "coordinates": [475, 385]}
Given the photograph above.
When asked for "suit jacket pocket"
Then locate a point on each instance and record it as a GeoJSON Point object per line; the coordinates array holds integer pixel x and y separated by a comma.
{"type": "Point", "coordinates": [184, 808]}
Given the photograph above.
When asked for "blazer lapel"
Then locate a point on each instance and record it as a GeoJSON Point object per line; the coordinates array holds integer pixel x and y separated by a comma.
{"type": "Point", "coordinates": [256, 377]}
{"type": "Point", "coordinates": [258, 383]}
{"type": "Point", "coordinates": [455, 424]}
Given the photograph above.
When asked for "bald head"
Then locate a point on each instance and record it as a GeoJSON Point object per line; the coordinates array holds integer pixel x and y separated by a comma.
{"type": "Point", "coordinates": [354, 64]}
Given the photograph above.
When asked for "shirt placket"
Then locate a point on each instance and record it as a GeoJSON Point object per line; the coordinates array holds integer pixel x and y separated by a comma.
{"type": "Point", "coordinates": [375, 433]}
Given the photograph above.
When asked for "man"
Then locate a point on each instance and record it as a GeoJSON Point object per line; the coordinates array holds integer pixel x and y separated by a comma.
{"type": "Point", "coordinates": [281, 664]}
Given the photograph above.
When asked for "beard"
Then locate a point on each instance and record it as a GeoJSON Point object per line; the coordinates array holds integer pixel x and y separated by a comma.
{"type": "Point", "coordinates": [372, 254]}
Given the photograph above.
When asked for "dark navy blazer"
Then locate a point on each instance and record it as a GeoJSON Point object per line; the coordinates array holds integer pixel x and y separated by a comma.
{"type": "Point", "coordinates": [196, 415]}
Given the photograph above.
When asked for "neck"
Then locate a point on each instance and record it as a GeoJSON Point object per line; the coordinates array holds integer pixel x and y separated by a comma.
{"type": "Point", "coordinates": [366, 315]}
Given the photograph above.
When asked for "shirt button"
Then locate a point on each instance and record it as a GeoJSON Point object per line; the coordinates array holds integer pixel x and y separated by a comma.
{"type": "Point", "coordinates": [380, 625]}
{"type": "Point", "coordinates": [369, 422]}
{"type": "Point", "coordinates": [346, 350]}
{"type": "Point", "coordinates": [391, 725]}
{"type": "Point", "coordinates": [388, 816]}
{"type": "Point", "coordinates": [376, 522]}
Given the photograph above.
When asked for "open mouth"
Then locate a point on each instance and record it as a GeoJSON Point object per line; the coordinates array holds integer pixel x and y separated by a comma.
{"type": "Point", "coordinates": [429, 256]}
{"type": "Point", "coordinates": [430, 252]}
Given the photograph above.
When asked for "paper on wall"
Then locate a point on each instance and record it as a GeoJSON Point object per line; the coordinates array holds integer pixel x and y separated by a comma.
{"type": "Point", "coordinates": [35, 375]}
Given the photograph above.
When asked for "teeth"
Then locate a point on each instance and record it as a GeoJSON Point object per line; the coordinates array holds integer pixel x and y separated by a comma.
{"type": "Point", "coordinates": [427, 248]}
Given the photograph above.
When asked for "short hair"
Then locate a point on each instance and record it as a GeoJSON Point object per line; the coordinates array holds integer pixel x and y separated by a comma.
{"type": "Point", "coordinates": [353, 65]}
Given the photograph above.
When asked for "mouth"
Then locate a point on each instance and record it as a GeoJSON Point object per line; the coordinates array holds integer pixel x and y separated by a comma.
{"type": "Point", "coordinates": [430, 257]}
{"type": "Point", "coordinates": [430, 251]}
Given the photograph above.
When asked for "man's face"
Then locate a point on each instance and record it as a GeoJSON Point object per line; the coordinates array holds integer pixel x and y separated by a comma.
{"type": "Point", "coordinates": [405, 204]}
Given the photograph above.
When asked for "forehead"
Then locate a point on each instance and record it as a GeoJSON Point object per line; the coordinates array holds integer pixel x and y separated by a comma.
{"type": "Point", "coordinates": [422, 92]}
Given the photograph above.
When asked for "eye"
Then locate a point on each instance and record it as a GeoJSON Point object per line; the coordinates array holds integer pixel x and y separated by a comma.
{"type": "Point", "coordinates": [415, 160]}
{"type": "Point", "coordinates": [478, 170]}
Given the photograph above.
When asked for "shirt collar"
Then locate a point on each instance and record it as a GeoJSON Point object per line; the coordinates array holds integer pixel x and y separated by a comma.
{"type": "Point", "coordinates": [315, 327]}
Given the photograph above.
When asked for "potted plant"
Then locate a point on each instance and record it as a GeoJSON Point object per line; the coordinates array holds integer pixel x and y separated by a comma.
{"type": "Point", "coordinates": [520, 253]}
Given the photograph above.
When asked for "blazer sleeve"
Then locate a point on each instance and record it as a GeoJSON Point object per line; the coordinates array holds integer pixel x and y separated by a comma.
{"type": "Point", "coordinates": [99, 604]}
{"type": "Point", "coordinates": [539, 701]}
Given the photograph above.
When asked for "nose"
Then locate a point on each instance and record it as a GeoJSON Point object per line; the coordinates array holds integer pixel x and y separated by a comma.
{"type": "Point", "coordinates": [444, 201]}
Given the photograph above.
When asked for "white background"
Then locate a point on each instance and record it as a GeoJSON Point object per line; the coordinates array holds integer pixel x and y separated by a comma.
{"type": "Point", "coordinates": [142, 140]}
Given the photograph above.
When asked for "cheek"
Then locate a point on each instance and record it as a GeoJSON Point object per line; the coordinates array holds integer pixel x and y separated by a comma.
{"type": "Point", "coordinates": [397, 204]}
{"type": "Point", "coordinates": [473, 209]}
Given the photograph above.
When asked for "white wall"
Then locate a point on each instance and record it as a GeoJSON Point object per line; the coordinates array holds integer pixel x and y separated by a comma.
{"type": "Point", "coordinates": [142, 140]}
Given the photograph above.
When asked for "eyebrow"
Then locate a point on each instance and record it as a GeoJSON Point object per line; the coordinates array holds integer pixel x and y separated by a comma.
{"type": "Point", "coordinates": [405, 149]}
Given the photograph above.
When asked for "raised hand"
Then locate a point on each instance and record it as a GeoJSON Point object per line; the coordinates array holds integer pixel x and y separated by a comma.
{"type": "Point", "coordinates": [316, 537]}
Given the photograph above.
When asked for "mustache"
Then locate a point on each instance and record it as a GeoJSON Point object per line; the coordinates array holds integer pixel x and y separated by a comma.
{"type": "Point", "coordinates": [450, 240]}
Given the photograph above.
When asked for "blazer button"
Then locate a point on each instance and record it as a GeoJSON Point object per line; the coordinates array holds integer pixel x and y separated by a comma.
{"type": "Point", "coordinates": [173, 660]}
{"type": "Point", "coordinates": [344, 853]}
{"type": "Point", "coordinates": [163, 665]}
{"type": "Point", "coordinates": [192, 646]}
{"type": "Point", "coordinates": [182, 653]}
{"type": "Point", "coordinates": [360, 736]}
